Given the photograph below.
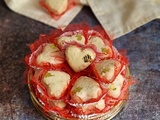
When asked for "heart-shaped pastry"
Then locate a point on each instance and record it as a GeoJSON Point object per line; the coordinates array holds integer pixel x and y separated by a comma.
{"type": "Point", "coordinates": [56, 82]}
{"type": "Point", "coordinates": [107, 70]}
{"type": "Point", "coordinates": [100, 45]}
{"type": "Point", "coordinates": [85, 88]}
{"type": "Point", "coordinates": [50, 54]}
{"type": "Point", "coordinates": [57, 6]}
{"type": "Point", "coordinates": [79, 58]}
{"type": "Point", "coordinates": [77, 37]}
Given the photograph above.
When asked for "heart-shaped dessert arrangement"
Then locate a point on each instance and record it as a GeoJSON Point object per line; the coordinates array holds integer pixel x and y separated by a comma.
{"type": "Point", "coordinates": [77, 74]}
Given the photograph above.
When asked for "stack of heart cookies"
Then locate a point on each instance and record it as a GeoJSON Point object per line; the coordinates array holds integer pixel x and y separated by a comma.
{"type": "Point", "coordinates": [77, 73]}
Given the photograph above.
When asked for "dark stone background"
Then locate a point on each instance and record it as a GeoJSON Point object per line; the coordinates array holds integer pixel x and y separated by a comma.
{"type": "Point", "coordinates": [143, 50]}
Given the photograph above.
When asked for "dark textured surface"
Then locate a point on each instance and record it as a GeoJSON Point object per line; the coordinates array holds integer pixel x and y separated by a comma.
{"type": "Point", "coordinates": [143, 51]}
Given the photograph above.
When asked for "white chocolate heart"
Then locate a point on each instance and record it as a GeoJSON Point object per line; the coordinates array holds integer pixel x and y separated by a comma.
{"type": "Point", "coordinates": [57, 6]}
{"type": "Point", "coordinates": [58, 103]}
{"type": "Point", "coordinates": [100, 45]}
{"type": "Point", "coordinates": [50, 54]}
{"type": "Point", "coordinates": [78, 38]}
{"type": "Point", "coordinates": [107, 68]}
{"type": "Point", "coordinates": [99, 105]}
{"type": "Point", "coordinates": [98, 42]}
{"type": "Point", "coordinates": [115, 87]}
{"type": "Point", "coordinates": [85, 88]}
{"type": "Point", "coordinates": [79, 59]}
{"type": "Point", "coordinates": [56, 82]}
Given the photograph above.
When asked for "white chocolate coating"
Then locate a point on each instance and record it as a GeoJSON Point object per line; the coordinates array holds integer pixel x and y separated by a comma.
{"type": "Point", "coordinates": [57, 6]}
{"type": "Point", "coordinates": [85, 88]}
{"type": "Point", "coordinates": [99, 105]}
{"type": "Point", "coordinates": [49, 55]}
{"type": "Point", "coordinates": [106, 68]}
{"type": "Point", "coordinates": [79, 38]}
{"type": "Point", "coordinates": [56, 82]}
{"type": "Point", "coordinates": [98, 42]}
{"type": "Point", "coordinates": [76, 57]}
{"type": "Point", "coordinates": [59, 103]}
{"type": "Point", "coordinates": [115, 87]}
